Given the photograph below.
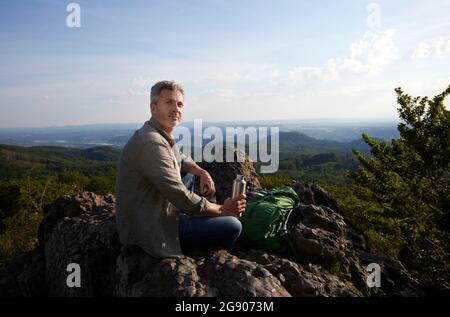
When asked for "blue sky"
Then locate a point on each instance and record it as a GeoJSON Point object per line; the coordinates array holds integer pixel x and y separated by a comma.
{"type": "Point", "coordinates": [238, 60]}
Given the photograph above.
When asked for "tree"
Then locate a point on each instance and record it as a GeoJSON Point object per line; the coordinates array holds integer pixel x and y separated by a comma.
{"type": "Point", "coordinates": [410, 176]}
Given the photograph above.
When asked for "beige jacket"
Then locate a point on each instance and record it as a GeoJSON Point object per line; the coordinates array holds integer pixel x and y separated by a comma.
{"type": "Point", "coordinates": [148, 187]}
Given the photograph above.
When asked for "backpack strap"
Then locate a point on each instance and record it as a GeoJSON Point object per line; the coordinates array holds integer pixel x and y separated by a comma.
{"type": "Point", "coordinates": [292, 251]}
{"type": "Point", "coordinates": [283, 232]}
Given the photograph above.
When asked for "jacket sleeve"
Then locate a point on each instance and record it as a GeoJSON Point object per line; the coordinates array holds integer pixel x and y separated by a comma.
{"type": "Point", "coordinates": [186, 163]}
{"type": "Point", "coordinates": [156, 163]}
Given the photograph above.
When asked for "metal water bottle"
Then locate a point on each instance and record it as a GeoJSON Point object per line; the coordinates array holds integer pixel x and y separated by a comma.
{"type": "Point", "coordinates": [239, 185]}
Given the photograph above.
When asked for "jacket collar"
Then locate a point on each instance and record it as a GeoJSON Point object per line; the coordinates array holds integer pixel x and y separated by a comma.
{"type": "Point", "coordinates": [161, 131]}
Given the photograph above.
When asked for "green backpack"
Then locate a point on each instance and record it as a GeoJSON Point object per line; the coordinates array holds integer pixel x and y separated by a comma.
{"type": "Point", "coordinates": [265, 218]}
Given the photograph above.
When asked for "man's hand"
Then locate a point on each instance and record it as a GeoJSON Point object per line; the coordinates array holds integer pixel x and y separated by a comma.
{"type": "Point", "coordinates": [233, 207]}
{"type": "Point", "coordinates": [207, 187]}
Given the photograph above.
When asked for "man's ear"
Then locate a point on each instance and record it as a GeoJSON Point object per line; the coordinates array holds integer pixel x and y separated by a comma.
{"type": "Point", "coordinates": [152, 107]}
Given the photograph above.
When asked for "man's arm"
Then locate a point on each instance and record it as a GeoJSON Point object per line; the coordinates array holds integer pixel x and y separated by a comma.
{"type": "Point", "coordinates": [188, 165]}
{"type": "Point", "coordinates": [230, 207]}
{"type": "Point", "coordinates": [155, 162]}
{"type": "Point", "coordinates": [195, 169]}
{"type": "Point", "coordinates": [207, 186]}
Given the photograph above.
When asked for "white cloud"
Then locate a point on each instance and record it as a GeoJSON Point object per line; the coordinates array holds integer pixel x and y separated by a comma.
{"type": "Point", "coordinates": [435, 48]}
{"type": "Point", "coordinates": [223, 93]}
{"type": "Point", "coordinates": [142, 81]}
{"type": "Point", "coordinates": [134, 92]}
{"type": "Point", "coordinates": [226, 73]}
{"type": "Point", "coordinates": [369, 55]}
{"type": "Point", "coordinates": [264, 105]}
{"type": "Point", "coordinates": [302, 74]}
{"type": "Point", "coordinates": [227, 77]}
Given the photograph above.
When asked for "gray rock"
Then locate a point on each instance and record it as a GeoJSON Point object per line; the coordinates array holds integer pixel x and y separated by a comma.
{"type": "Point", "coordinates": [223, 174]}
{"type": "Point", "coordinates": [304, 280]}
{"type": "Point", "coordinates": [81, 229]}
{"type": "Point", "coordinates": [314, 194]}
{"type": "Point", "coordinates": [395, 279]}
{"type": "Point", "coordinates": [233, 276]}
{"type": "Point", "coordinates": [89, 239]}
{"type": "Point", "coordinates": [8, 284]}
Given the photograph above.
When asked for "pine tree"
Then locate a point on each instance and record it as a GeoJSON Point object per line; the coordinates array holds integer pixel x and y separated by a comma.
{"type": "Point", "coordinates": [410, 176]}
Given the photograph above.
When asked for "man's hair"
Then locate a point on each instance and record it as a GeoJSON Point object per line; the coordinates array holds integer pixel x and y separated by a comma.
{"type": "Point", "coordinates": [164, 84]}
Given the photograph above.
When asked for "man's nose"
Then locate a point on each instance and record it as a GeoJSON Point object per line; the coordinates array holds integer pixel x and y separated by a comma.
{"type": "Point", "coordinates": [171, 106]}
{"type": "Point", "coordinates": [174, 107]}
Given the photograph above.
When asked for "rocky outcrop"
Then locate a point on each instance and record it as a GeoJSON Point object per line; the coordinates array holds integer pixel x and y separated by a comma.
{"type": "Point", "coordinates": [224, 173]}
{"type": "Point", "coordinates": [81, 229]}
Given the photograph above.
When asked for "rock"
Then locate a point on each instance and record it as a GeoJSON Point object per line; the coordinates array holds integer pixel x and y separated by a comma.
{"type": "Point", "coordinates": [81, 229]}
{"type": "Point", "coordinates": [8, 284]}
{"type": "Point", "coordinates": [395, 279]}
{"type": "Point", "coordinates": [358, 239]}
{"type": "Point", "coordinates": [85, 235]}
{"type": "Point", "coordinates": [224, 173]}
{"type": "Point", "coordinates": [66, 206]}
{"type": "Point", "coordinates": [131, 266]}
{"type": "Point", "coordinates": [319, 217]}
{"type": "Point", "coordinates": [173, 277]}
{"type": "Point", "coordinates": [319, 237]}
{"type": "Point", "coordinates": [235, 277]}
{"type": "Point", "coordinates": [25, 276]}
{"type": "Point", "coordinates": [314, 194]}
{"type": "Point", "coordinates": [303, 280]}
{"type": "Point", "coordinates": [320, 246]}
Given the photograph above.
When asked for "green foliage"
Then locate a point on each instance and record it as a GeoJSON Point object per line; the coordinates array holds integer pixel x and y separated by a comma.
{"type": "Point", "coordinates": [410, 178]}
{"type": "Point", "coordinates": [22, 212]}
{"type": "Point", "coordinates": [40, 162]}
{"type": "Point", "coordinates": [23, 200]}
{"type": "Point", "coordinates": [9, 202]}
{"type": "Point", "coordinates": [383, 234]}
{"type": "Point", "coordinates": [34, 177]}
{"type": "Point", "coordinates": [19, 234]}
{"type": "Point", "coordinates": [272, 180]}
{"type": "Point", "coordinates": [102, 184]}
{"type": "Point", "coordinates": [327, 167]}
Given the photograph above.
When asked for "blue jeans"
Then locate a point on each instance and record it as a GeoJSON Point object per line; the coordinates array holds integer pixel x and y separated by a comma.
{"type": "Point", "coordinates": [207, 232]}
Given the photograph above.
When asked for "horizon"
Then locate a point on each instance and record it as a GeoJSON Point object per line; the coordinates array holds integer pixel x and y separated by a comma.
{"type": "Point", "coordinates": [341, 130]}
{"type": "Point", "coordinates": [248, 61]}
{"type": "Point", "coordinates": [362, 120]}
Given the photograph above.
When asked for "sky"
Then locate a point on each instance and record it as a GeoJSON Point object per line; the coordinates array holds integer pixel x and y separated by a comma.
{"type": "Point", "coordinates": [237, 60]}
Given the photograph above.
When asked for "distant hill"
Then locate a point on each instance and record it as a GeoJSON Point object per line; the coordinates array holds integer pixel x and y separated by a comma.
{"type": "Point", "coordinates": [87, 136]}
{"type": "Point", "coordinates": [40, 161]}
{"type": "Point", "coordinates": [298, 152]}
{"type": "Point", "coordinates": [296, 143]}
{"type": "Point", "coordinates": [302, 141]}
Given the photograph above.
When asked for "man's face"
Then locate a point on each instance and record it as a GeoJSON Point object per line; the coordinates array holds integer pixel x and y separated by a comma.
{"type": "Point", "coordinates": [168, 110]}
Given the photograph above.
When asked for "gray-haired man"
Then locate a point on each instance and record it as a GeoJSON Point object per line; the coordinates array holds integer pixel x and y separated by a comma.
{"type": "Point", "coordinates": [151, 199]}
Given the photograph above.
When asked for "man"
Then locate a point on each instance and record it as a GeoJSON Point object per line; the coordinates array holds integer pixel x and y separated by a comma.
{"type": "Point", "coordinates": [154, 209]}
